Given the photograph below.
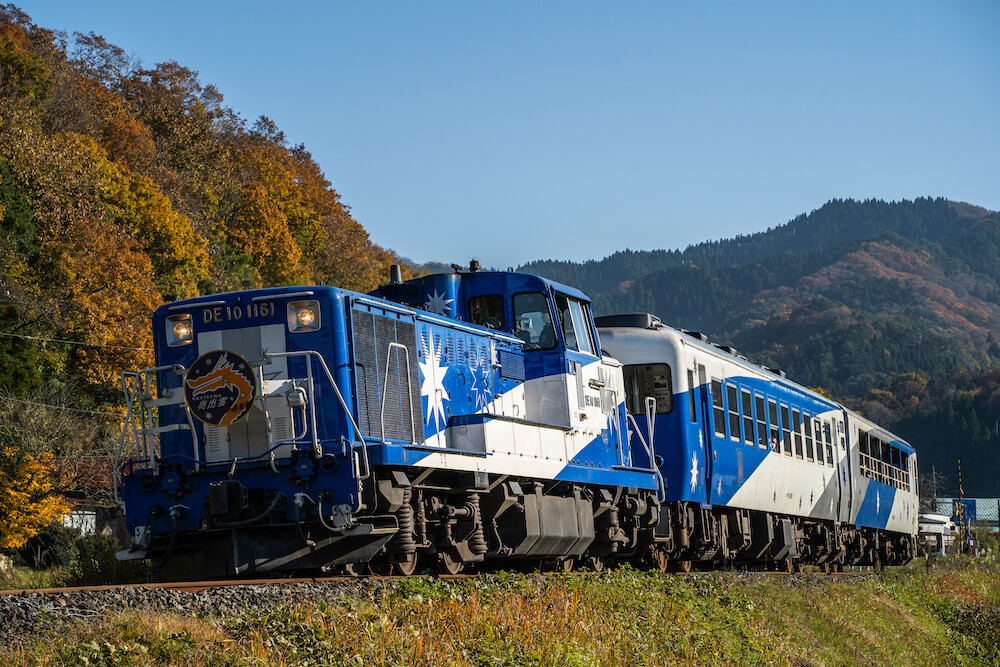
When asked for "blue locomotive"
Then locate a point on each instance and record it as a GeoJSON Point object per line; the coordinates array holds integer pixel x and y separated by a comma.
{"type": "Point", "coordinates": [444, 420]}
{"type": "Point", "coordinates": [482, 417]}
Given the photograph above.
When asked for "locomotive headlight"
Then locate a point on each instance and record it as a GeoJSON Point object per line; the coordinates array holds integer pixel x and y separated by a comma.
{"type": "Point", "coordinates": [179, 330]}
{"type": "Point", "coordinates": [303, 316]}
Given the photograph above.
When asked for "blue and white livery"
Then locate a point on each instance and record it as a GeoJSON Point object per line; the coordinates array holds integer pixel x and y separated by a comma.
{"type": "Point", "coordinates": [757, 467]}
{"type": "Point", "coordinates": [447, 420]}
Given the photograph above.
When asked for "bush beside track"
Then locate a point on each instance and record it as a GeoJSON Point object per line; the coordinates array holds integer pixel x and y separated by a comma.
{"type": "Point", "coordinates": [949, 615]}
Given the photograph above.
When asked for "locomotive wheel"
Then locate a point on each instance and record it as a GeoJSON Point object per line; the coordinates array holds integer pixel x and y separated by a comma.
{"type": "Point", "coordinates": [683, 565]}
{"type": "Point", "coordinates": [565, 565]}
{"type": "Point", "coordinates": [355, 569]}
{"type": "Point", "coordinates": [661, 560]}
{"type": "Point", "coordinates": [595, 563]}
{"type": "Point", "coordinates": [789, 565]}
{"type": "Point", "coordinates": [826, 568]}
{"type": "Point", "coordinates": [407, 566]}
{"type": "Point", "coordinates": [448, 564]}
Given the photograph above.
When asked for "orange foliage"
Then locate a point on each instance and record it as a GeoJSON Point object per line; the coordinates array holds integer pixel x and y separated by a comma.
{"type": "Point", "coordinates": [28, 502]}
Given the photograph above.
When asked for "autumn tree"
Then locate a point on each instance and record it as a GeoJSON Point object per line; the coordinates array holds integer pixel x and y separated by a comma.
{"type": "Point", "coordinates": [28, 499]}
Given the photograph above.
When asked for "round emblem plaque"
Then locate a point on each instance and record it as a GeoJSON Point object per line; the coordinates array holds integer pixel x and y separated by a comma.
{"type": "Point", "coordinates": [220, 388]}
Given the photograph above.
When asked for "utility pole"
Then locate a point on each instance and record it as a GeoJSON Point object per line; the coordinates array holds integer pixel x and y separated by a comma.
{"type": "Point", "coordinates": [934, 488]}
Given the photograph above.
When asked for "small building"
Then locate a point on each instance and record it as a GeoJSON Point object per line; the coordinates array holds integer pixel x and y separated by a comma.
{"type": "Point", "coordinates": [936, 531]}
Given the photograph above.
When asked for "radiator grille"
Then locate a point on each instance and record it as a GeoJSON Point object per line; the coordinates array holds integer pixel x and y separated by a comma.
{"type": "Point", "coordinates": [373, 335]}
{"type": "Point", "coordinates": [511, 365]}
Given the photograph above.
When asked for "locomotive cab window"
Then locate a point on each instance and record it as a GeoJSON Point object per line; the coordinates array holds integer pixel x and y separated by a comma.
{"type": "Point", "coordinates": [644, 381]}
{"type": "Point", "coordinates": [487, 311]}
{"type": "Point", "coordinates": [533, 321]}
{"type": "Point", "coordinates": [574, 317]}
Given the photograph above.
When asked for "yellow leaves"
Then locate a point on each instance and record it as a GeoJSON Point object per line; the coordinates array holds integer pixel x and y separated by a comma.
{"type": "Point", "coordinates": [27, 496]}
{"type": "Point", "coordinates": [176, 251]}
{"type": "Point", "coordinates": [109, 284]}
{"type": "Point", "coordinates": [259, 228]}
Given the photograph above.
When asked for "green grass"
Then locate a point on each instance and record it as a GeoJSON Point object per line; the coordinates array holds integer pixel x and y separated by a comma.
{"type": "Point", "coordinates": [948, 616]}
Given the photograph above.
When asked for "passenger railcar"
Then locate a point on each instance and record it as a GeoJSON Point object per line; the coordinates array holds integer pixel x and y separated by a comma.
{"type": "Point", "coordinates": [756, 467]}
{"type": "Point", "coordinates": [444, 420]}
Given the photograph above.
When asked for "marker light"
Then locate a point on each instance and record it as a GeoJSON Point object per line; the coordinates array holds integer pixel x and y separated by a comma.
{"type": "Point", "coordinates": [179, 330]}
{"type": "Point", "coordinates": [303, 316]}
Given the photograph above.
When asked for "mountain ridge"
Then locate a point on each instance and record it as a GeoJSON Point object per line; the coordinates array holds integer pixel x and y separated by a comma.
{"type": "Point", "coordinates": [853, 299]}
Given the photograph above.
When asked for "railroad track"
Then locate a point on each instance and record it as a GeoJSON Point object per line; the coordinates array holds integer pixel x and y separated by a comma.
{"type": "Point", "coordinates": [198, 586]}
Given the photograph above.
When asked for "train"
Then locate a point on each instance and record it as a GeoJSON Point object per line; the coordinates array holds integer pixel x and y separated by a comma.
{"type": "Point", "coordinates": [484, 419]}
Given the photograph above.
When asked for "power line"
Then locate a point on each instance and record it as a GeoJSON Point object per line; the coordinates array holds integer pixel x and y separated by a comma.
{"type": "Point", "coordinates": [60, 407]}
{"type": "Point", "coordinates": [73, 342]}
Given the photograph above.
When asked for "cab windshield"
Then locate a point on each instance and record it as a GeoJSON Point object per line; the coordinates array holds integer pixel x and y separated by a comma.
{"type": "Point", "coordinates": [573, 317]}
{"type": "Point", "coordinates": [533, 321]}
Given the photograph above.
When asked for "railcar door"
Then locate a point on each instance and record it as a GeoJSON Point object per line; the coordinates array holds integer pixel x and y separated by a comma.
{"type": "Point", "coordinates": [845, 467]}
{"type": "Point", "coordinates": [649, 394]}
{"type": "Point", "coordinates": [705, 434]}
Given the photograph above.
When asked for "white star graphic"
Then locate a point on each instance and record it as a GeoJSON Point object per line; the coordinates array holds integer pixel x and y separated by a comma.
{"type": "Point", "coordinates": [878, 502]}
{"type": "Point", "coordinates": [438, 304]}
{"type": "Point", "coordinates": [694, 471]}
{"type": "Point", "coordinates": [432, 387]}
{"type": "Point", "coordinates": [481, 388]}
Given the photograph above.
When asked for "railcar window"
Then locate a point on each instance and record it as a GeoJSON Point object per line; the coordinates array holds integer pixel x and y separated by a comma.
{"type": "Point", "coordinates": [732, 397]}
{"type": "Point", "coordinates": [718, 409]}
{"type": "Point", "coordinates": [691, 401]}
{"type": "Point", "coordinates": [786, 431]}
{"type": "Point", "coordinates": [747, 405]}
{"type": "Point", "coordinates": [649, 380]}
{"type": "Point", "coordinates": [818, 434]}
{"type": "Point", "coordinates": [758, 402]}
{"type": "Point", "coordinates": [807, 426]}
{"type": "Point", "coordinates": [487, 311]}
{"type": "Point", "coordinates": [886, 462]}
{"type": "Point", "coordinates": [772, 416]}
{"type": "Point", "coordinates": [797, 430]}
{"type": "Point", "coordinates": [829, 455]}
{"type": "Point", "coordinates": [894, 462]}
{"type": "Point", "coordinates": [865, 460]}
{"type": "Point", "coordinates": [574, 325]}
{"type": "Point", "coordinates": [533, 322]}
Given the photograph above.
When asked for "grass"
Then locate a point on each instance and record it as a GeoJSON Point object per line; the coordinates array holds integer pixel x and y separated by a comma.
{"type": "Point", "coordinates": [948, 616]}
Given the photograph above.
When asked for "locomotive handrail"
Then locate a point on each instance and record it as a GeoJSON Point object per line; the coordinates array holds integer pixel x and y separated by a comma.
{"type": "Point", "coordinates": [139, 389]}
{"type": "Point", "coordinates": [409, 391]}
{"type": "Point", "coordinates": [661, 487]}
{"type": "Point", "coordinates": [317, 450]}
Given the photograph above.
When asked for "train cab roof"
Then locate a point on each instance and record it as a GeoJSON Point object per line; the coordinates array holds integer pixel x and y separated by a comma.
{"type": "Point", "coordinates": [544, 313]}
{"type": "Point", "coordinates": [445, 293]}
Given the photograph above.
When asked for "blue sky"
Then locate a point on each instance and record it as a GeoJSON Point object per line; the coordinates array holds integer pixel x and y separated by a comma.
{"type": "Point", "coordinates": [568, 130]}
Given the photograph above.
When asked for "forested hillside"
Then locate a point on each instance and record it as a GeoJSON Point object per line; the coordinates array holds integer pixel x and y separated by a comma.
{"type": "Point", "coordinates": [849, 298]}
{"type": "Point", "coordinates": [123, 186]}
